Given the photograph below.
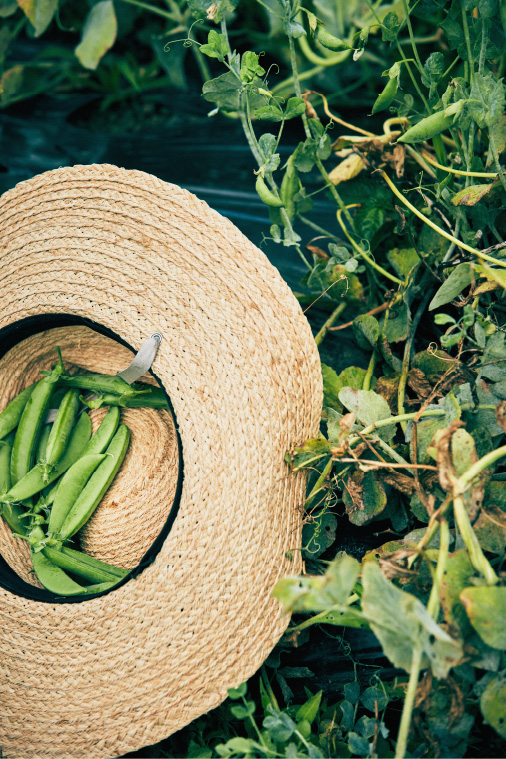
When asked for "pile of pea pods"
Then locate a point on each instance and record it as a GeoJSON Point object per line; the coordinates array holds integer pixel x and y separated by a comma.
{"type": "Point", "coordinates": [54, 475]}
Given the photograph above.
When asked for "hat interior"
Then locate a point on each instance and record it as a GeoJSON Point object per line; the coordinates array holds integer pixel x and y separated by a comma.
{"type": "Point", "coordinates": [9, 579]}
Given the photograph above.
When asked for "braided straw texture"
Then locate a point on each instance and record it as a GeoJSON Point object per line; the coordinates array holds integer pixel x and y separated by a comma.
{"type": "Point", "coordinates": [135, 254]}
{"type": "Point", "coordinates": [138, 502]}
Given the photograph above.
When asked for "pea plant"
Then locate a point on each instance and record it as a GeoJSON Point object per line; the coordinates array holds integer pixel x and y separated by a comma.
{"type": "Point", "coordinates": [413, 440]}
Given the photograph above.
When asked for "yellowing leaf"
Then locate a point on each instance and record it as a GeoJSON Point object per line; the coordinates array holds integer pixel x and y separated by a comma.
{"type": "Point", "coordinates": [347, 169]}
{"type": "Point", "coordinates": [486, 609]}
{"type": "Point", "coordinates": [99, 34]}
{"type": "Point", "coordinates": [39, 13]}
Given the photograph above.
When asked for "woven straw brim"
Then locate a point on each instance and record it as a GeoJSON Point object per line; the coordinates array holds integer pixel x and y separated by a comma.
{"type": "Point", "coordinates": [139, 501]}
{"type": "Point", "coordinates": [136, 255]}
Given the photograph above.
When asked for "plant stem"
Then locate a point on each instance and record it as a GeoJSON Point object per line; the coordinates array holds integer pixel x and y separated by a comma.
{"type": "Point", "coordinates": [296, 83]}
{"type": "Point", "coordinates": [319, 229]}
{"type": "Point", "coordinates": [444, 544]}
{"type": "Point", "coordinates": [336, 313]}
{"type": "Point", "coordinates": [483, 48]}
{"type": "Point", "coordinates": [415, 83]}
{"type": "Point", "coordinates": [478, 559]}
{"type": "Point", "coordinates": [334, 193]}
{"type": "Point", "coordinates": [440, 231]}
{"type": "Point", "coordinates": [411, 37]}
{"type": "Point", "coordinates": [408, 347]}
{"type": "Point", "coordinates": [318, 484]}
{"type": "Point", "coordinates": [409, 702]}
{"type": "Point", "coordinates": [268, 688]}
{"type": "Point", "coordinates": [366, 385]}
{"type": "Point", "coordinates": [468, 45]}
{"type": "Point", "coordinates": [484, 174]}
{"type": "Point", "coordinates": [365, 256]}
{"type": "Point", "coordinates": [151, 8]}
{"type": "Point", "coordinates": [493, 148]}
{"type": "Point", "coordinates": [481, 465]}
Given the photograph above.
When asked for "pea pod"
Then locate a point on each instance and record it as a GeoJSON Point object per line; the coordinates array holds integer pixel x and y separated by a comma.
{"type": "Point", "coordinates": [100, 587]}
{"type": "Point", "coordinates": [53, 578]}
{"type": "Point", "coordinates": [97, 485]}
{"type": "Point", "coordinates": [385, 97]}
{"type": "Point", "coordinates": [42, 445]}
{"type": "Point", "coordinates": [70, 487]}
{"type": "Point", "coordinates": [78, 567]}
{"type": "Point", "coordinates": [266, 195]}
{"type": "Point", "coordinates": [32, 418]}
{"type": "Point", "coordinates": [60, 431]}
{"type": "Point", "coordinates": [154, 398]}
{"type": "Point", "coordinates": [427, 128]}
{"type": "Point", "coordinates": [104, 434]}
{"type": "Point", "coordinates": [33, 481]}
{"type": "Point", "coordinates": [117, 572]}
{"type": "Point", "coordinates": [5, 462]}
{"type": "Point", "coordinates": [289, 188]}
{"type": "Point", "coordinates": [98, 383]}
{"type": "Point", "coordinates": [10, 416]}
{"type": "Point", "coordinates": [329, 41]}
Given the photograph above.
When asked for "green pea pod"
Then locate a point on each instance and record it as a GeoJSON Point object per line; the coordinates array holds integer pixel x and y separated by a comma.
{"type": "Point", "coordinates": [32, 418]}
{"type": "Point", "coordinates": [10, 416]}
{"type": "Point", "coordinates": [5, 462]}
{"type": "Point", "coordinates": [385, 97]}
{"type": "Point", "coordinates": [42, 445]}
{"type": "Point", "coordinates": [53, 578]}
{"type": "Point", "coordinates": [78, 567]}
{"type": "Point", "coordinates": [154, 398]}
{"type": "Point", "coordinates": [117, 572]}
{"type": "Point", "coordinates": [329, 41]}
{"type": "Point", "coordinates": [289, 188]}
{"type": "Point", "coordinates": [60, 431]}
{"type": "Point", "coordinates": [97, 485]}
{"type": "Point", "coordinates": [105, 433]}
{"type": "Point", "coordinates": [70, 487]}
{"type": "Point", "coordinates": [266, 195]}
{"type": "Point", "coordinates": [100, 587]}
{"type": "Point", "coordinates": [98, 383]}
{"type": "Point", "coordinates": [33, 482]}
{"type": "Point", "coordinates": [427, 128]}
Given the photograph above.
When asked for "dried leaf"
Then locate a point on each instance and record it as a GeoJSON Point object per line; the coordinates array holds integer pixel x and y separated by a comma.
{"type": "Point", "coordinates": [399, 481]}
{"type": "Point", "coordinates": [316, 251]}
{"type": "Point", "coordinates": [500, 414]}
{"type": "Point", "coordinates": [364, 496]}
{"type": "Point", "coordinates": [469, 196]}
{"type": "Point", "coordinates": [490, 529]}
{"type": "Point", "coordinates": [419, 383]}
{"type": "Point", "coordinates": [347, 169]}
{"type": "Point", "coordinates": [388, 388]}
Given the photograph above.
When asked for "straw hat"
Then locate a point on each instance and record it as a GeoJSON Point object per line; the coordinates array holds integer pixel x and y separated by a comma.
{"type": "Point", "coordinates": [126, 254]}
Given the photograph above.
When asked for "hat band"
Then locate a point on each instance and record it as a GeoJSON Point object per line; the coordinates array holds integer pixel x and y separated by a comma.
{"type": "Point", "coordinates": [10, 335]}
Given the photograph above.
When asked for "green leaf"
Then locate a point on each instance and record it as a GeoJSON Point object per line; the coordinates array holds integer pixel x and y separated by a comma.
{"type": "Point", "coordinates": [374, 696]}
{"type": "Point", "coordinates": [463, 451]}
{"type": "Point", "coordinates": [400, 621]}
{"type": "Point", "coordinates": [487, 99]}
{"type": "Point", "coordinates": [352, 376]}
{"type": "Point", "coordinates": [318, 535]}
{"type": "Point", "coordinates": [224, 91]}
{"type": "Point", "coordinates": [403, 260]}
{"type": "Point", "coordinates": [492, 703]}
{"type": "Point", "coordinates": [457, 576]}
{"type": "Point", "coordinates": [250, 67]}
{"type": "Point", "coordinates": [390, 27]}
{"type": "Point", "coordinates": [352, 692]}
{"type": "Point", "coordinates": [294, 107]}
{"type": "Point", "coordinates": [459, 279]}
{"type": "Point", "coordinates": [433, 70]}
{"type": "Point", "coordinates": [238, 692]}
{"type": "Point", "coordinates": [369, 408]}
{"type": "Point", "coordinates": [8, 8]}
{"type": "Point", "coordinates": [309, 710]}
{"type": "Point", "coordinates": [217, 46]}
{"type": "Point", "coordinates": [358, 746]}
{"type": "Point", "coordinates": [364, 496]}
{"type": "Point", "coordinates": [99, 34]}
{"type": "Point", "coordinates": [269, 113]}
{"type": "Point", "coordinates": [237, 747]}
{"type": "Point", "coordinates": [243, 712]}
{"type": "Point", "coordinates": [486, 609]}
{"type": "Point", "coordinates": [279, 726]}
{"type": "Point", "coordinates": [366, 330]}
{"type": "Point", "coordinates": [398, 322]}
{"type": "Point", "coordinates": [39, 13]}
{"type": "Point", "coordinates": [319, 592]}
